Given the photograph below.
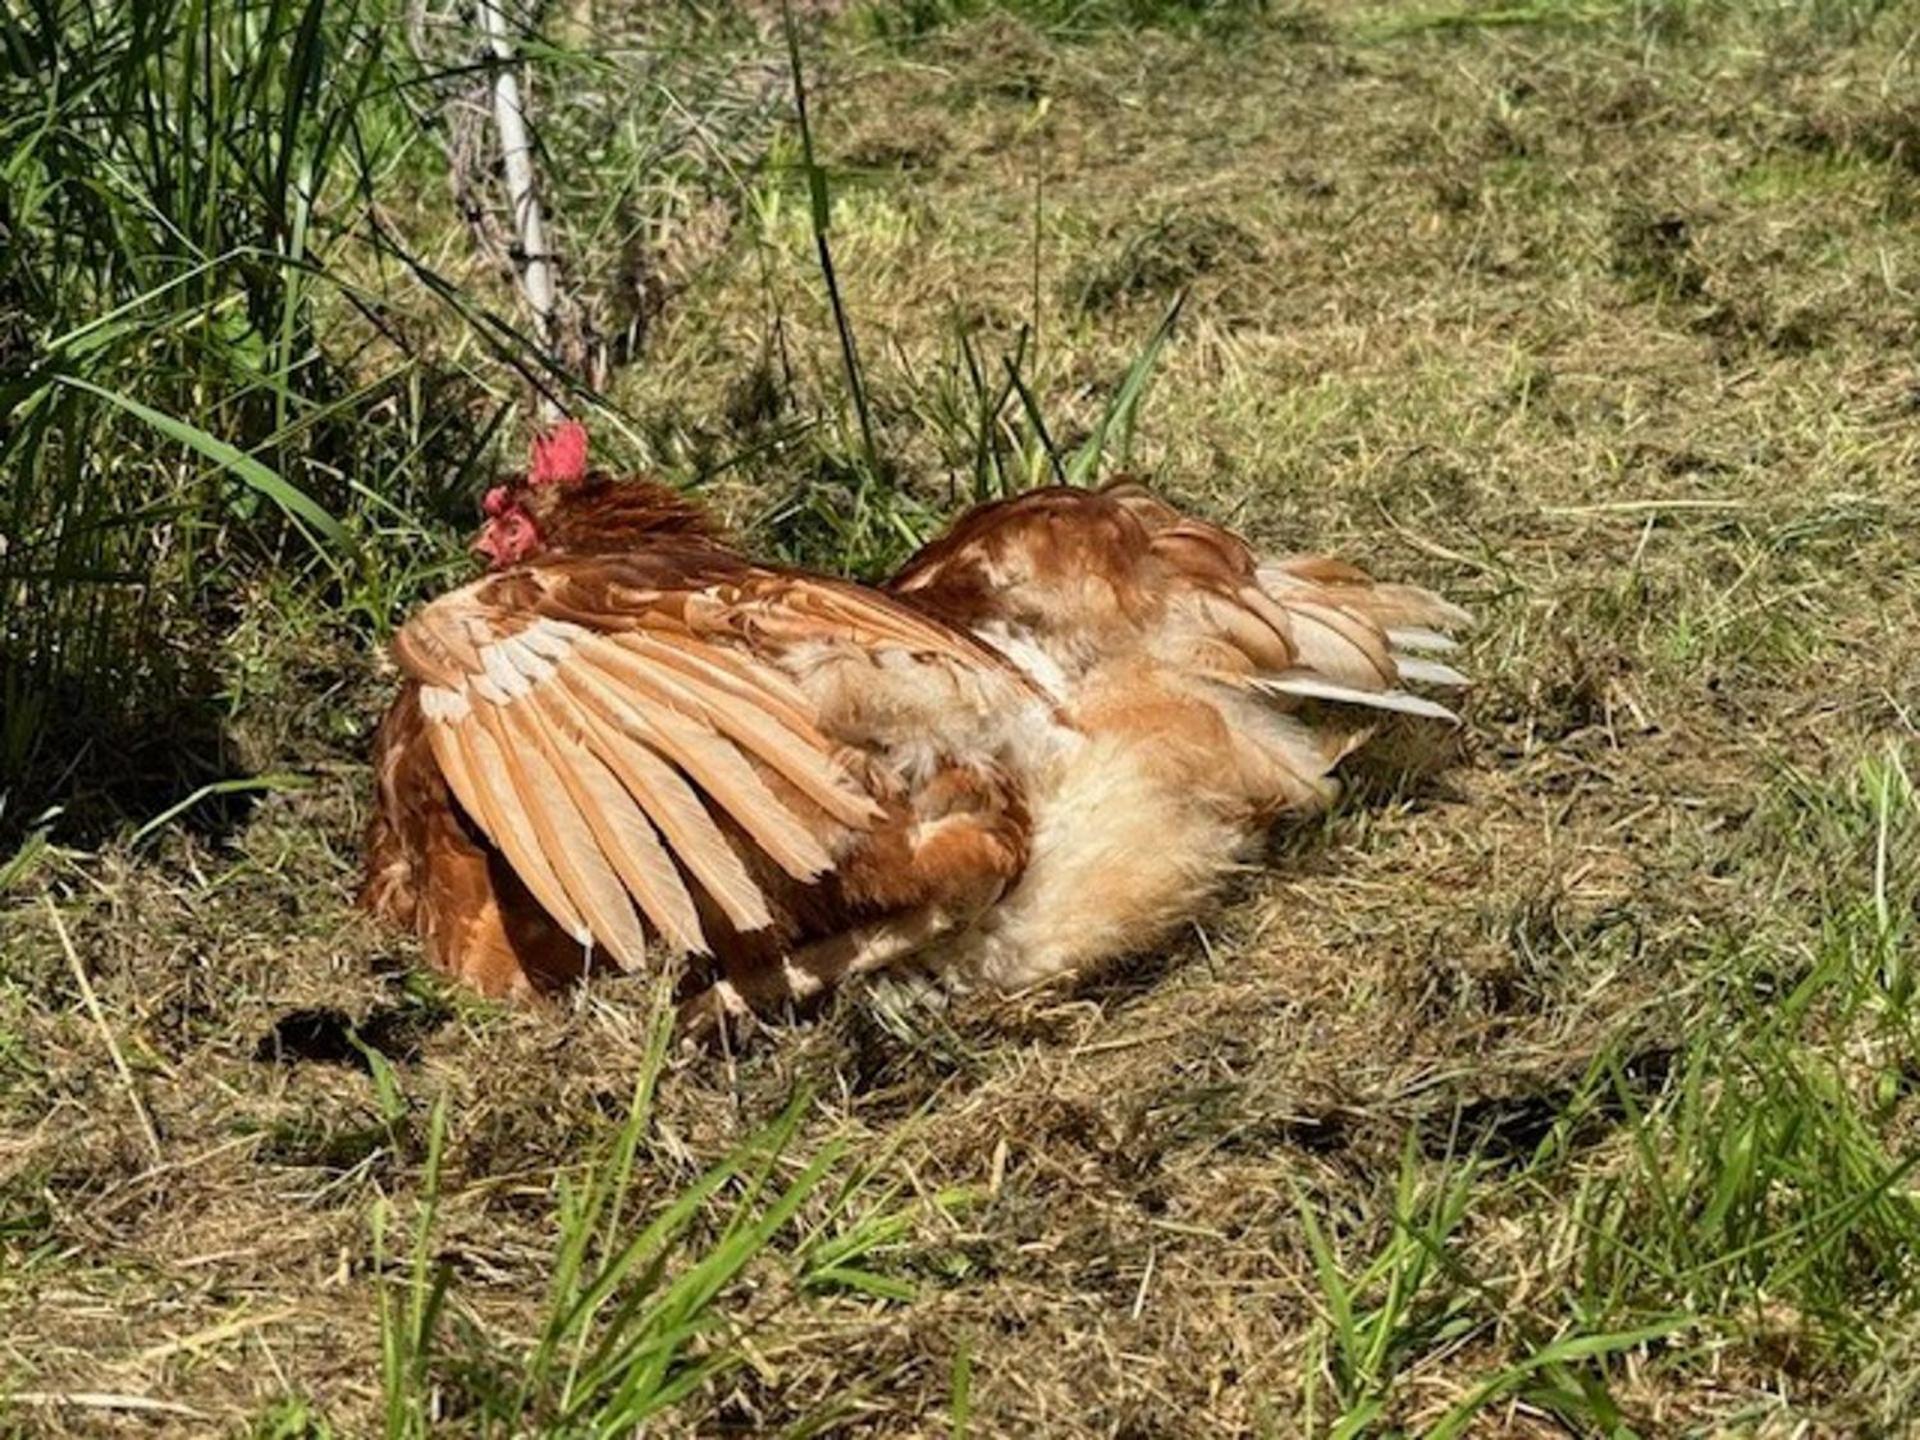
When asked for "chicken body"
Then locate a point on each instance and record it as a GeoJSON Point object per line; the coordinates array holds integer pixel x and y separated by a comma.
{"type": "Point", "coordinates": [670, 748]}
{"type": "Point", "coordinates": [1212, 693]}
{"type": "Point", "coordinates": [1044, 744]}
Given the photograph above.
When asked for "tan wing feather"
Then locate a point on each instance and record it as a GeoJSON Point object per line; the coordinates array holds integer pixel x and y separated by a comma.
{"type": "Point", "coordinates": [546, 769]}
{"type": "Point", "coordinates": [871, 623]}
{"type": "Point", "coordinates": [760, 686]}
{"type": "Point", "coordinates": [1339, 645]}
{"type": "Point", "coordinates": [619, 732]}
{"type": "Point", "coordinates": [1263, 637]}
{"type": "Point", "coordinates": [802, 757]}
{"type": "Point", "coordinates": [1390, 604]}
{"type": "Point", "coordinates": [630, 843]}
{"type": "Point", "coordinates": [719, 768]}
{"type": "Point", "coordinates": [477, 762]}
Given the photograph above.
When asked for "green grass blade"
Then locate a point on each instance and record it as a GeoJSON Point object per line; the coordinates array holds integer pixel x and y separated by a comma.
{"type": "Point", "coordinates": [1561, 1352]}
{"type": "Point", "coordinates": [1124, 407]}
{"type": "Point", "coordinates": [290, 498]}
{"type": "Point", "coordinates": [270, 784]}
{"type": "Point", "coordinates": [960, 1392]}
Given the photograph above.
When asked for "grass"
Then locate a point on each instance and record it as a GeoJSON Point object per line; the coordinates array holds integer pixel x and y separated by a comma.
{"type": "Point", "coordinates": [627, 1333]}
{"type": "Point", "coordinates": [185, 184]}
{"type": "Point", "coordinates": [1573, 1095]}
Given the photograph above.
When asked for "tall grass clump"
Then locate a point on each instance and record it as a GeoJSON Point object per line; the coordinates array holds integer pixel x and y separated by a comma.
{"type": "Point", "coordinates": [193, 382]}
{"type": "Point", "coordinates": [228, 367]}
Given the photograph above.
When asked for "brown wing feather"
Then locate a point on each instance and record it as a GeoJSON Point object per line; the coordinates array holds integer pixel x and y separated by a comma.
{"type": "Point", "coordinates": [630, 842]}
{"type": "Point", "coordinates": [468, 756]}
{"type": "Point", "coordinates": [1091, 575]}
{"type": "Point", "coordinates": [618, 735]}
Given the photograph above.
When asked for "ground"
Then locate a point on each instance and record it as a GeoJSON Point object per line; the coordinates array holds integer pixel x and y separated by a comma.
{"type": "Point", "coordinates": [1572, 1093]}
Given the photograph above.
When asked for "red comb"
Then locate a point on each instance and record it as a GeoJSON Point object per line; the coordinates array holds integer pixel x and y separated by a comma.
{"type": "Point", "coordinates": [495, 502]}
{"type": "Point", "coordinates": [559, 456]}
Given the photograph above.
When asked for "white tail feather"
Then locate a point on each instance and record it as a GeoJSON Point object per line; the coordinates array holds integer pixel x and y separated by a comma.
{"type": "Point", "coordinates": [1419, 671]}
{"type": "Point", "coordinates": [1312, 687]}
{"type": "Point", "coordinates": [1421, 639]}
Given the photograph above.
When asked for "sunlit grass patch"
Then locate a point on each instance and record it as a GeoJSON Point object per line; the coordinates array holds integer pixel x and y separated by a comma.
{"type": "Point", "coordinates": [1068, 18]}
{"type": "Point", "coordinates": [1790, 177]}
{"type": "Point", "coordinates": [1750, 1199]}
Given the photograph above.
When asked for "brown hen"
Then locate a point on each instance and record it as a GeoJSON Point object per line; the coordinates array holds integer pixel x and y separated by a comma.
{"type": "Point", "coordinates": [1044, 743]}
{"type": "Point", "coordinates": [630, 739]}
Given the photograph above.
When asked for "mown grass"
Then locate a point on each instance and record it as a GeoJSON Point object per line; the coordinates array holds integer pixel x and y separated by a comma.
{"type": "Point", "coordinates": [1574, 1095]}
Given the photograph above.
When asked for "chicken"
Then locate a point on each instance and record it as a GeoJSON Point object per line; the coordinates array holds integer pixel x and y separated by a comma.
{"type": "Point", "coordinates": [628, 739]}
{"type": "Point", "coordinates": [1042, 745]}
